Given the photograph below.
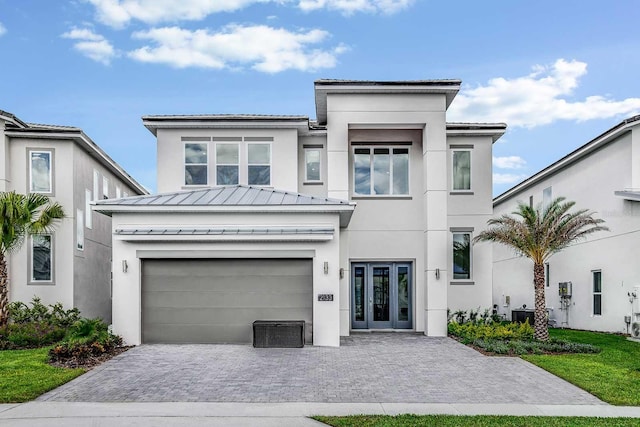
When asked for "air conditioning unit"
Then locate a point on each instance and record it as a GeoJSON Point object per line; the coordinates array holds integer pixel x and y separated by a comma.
{"type": "Point", "coordinates": [635, 329]}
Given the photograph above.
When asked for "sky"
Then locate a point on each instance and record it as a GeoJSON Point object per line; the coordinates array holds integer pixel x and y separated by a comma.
{"type": "Point", "coordinates": [559, 73]}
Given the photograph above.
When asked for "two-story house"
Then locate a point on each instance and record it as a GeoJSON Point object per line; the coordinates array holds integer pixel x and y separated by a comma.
{"type": "Point", "coordinates": [604, 270]}
{"type": "Point", "coordinates": [361, 220]}
{"type": "Point", "coordinates": [72, 264]}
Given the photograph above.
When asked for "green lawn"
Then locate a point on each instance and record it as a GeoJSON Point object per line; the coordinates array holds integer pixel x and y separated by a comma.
{"type": "Point", "coordinates": [473, 421]}
{"type": "Point", "coordinates": [612, 375]}
{"type": "Point", "coordinates": [25, 375]}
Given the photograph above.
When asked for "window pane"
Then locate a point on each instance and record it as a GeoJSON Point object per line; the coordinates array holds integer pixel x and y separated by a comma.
{"type": "Point", "coordinates": [381, 294]}
{"type": "Point", "coordinates": [381, 171]}
{"type": "Point", "coordinates": [41, 172]}
{"type": "Point", "coordinates": [362, 171]}
{"type": "Point", "coordinates": [358, 293]}
{"type": "Point", "coordinates": [546, 198]}
{"type": "Point", "coordinates": [462, 256]}
{"type": "Point", "coordinates": [227, 154]}
{"type": "Point", "coordinates": [312, 161]}
{"type": "Point", "coordinates": [403, 293]}
{"type": "Point", "coordinates": [597, 281]}
{"type": "Point", "coordinates": [195, 153]}
{"type": "Point", "coordinates": [227, 175]}
{"type": "Point", "coordinates": [597, 304]}
{"type": "Point", "coordinates": [259, 154]}
{"type": "Point", "coordinates": [259, 175]}
{"type": "Point", "coordinates": [79, 229]}
{"type": "Point", "coordinates": [41, 258]}
{"type": "Point", "coordinates": [195, 175]}
{"type": "Point", "coordinates": [461, 170]}
{"type": "Point", "coordinates": [400, 171]}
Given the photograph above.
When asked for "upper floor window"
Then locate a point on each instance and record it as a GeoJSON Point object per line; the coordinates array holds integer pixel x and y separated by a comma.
{"type": "Point", "coordinates": [41, 258]}
{"type": "Point", "coordinates": [79, 230]}
{"type": "Point", "coordinates": [381, 171]}
{"type": "Point", "coordinates": [96, 184]}
{"type": "Point", "coordinates": [597, 292]}
{"type": "Point", "coordinates": [227, 164]}
{"type": "Point", "coordinates": [546, 198]}
{"type": "Point", "coordinates": [40, 172]}
{"type": "Point", "coordinates": [462, 255]}
{"type": "Point", "coordinates": [259, 164]}
{"type": "Point", "coordinates": [195, 164]}
{"type": "Point", "coordinates": [87, 208]}
{"type": "Point", "coordinates": [105, 187]}
{"type": "Point", "coordinates": [312, 158]}
{"type": "Point", "coordinates": [461, 160]}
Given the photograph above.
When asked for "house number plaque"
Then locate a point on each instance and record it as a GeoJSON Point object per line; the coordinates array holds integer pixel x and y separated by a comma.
{"type": "Point", "coordinates": [325, 297]}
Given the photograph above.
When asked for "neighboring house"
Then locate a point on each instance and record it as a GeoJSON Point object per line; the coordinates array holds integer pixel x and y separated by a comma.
{"type": "Point", "coordinates": [72, 264]}
{"type": "Point", "coordinates": [604, 270]}
{"type": "Point", "coordinates": [348, 222]}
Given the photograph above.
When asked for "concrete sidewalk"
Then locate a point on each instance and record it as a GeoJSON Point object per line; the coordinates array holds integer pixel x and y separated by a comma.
{"type": "Point", "coordinates": [262, 414]}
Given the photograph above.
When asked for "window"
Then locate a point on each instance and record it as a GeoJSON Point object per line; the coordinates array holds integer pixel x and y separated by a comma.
{"type": "Point", "coordinates": [87, 208]}
{"type": "Point", "coordinates": [259, 164]}
{"type": "Point", "coordinates": [312, 164]}
{"type": "Point", "coordinates": [105, 187]}
{"type": "Point", "coordinates": [546, 198]}
{"type": "Point", "coordinates": [547, 271]}
{"type": "Point", "coordinates": [597, 293]}
{"type": "Point", "coordinates": [40, 172]}
{"type": "Point", "coordinates": [41, 258]}
{"type": "Point", "coordinates": [79, 230]}
{"type": "Point", "coordinates": [195, 164]}
{"type": "Point", "coordinates": [96, 184]}
{"type": "Point", "coordinates": [461, 170]}
{"type": "Point", "coordinates": [462, 256]}
{"type": "Point", "coordinates": [381, 171]}
{"type": "Point", "coordinates": [118, 192]}
{"type": "Point", "coordinates": [227, 164]}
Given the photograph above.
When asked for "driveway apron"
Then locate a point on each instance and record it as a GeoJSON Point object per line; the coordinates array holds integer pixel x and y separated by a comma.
{"type": "Point", "coordinates": [368, 367]}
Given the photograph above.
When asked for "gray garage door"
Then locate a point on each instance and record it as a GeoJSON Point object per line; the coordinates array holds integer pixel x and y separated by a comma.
{"type": "Point", "coordinates": [217, 300]}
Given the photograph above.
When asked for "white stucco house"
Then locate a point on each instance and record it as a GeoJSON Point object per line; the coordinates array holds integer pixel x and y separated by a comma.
{"type": "Point", "coordinates": [358, 220]}
{"type": "Point", "coordinates": [603, 176]}
{"type": "Point", "coordinates": [72, 264]}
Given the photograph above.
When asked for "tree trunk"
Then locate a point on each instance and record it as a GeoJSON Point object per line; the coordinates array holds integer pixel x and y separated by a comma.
{"type": "Point", "coordinates": [4, 291]}
{"type": "Point", "coordinates": [540, 319]}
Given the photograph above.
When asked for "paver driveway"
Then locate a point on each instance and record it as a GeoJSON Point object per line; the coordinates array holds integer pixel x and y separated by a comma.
{"type": "Point", "coordinates": [376, 367]}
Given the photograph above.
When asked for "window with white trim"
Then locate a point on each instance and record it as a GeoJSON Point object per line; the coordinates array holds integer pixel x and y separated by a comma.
{"type": "Point", "coordinates": [546, 198]}
{"type": "Point", "coordinates": [118, 192]}
{"type": "Point", "coordinates": [259, 163]}
{"type": "Point", "coordinates": [41, 258]}
{"type": "Point", "coordinates": [96, 185]}
{"type": "Point", "coordinates": [79, 230]}
{"type": "Point", "coordinates": [461, 168]}
{"type": "Point", "coordinates": [227, 163]}
{"type": "Point", "coordinates": [87, 208]}
{"type": "Point", "coordinates": [196, 160]}
{"type": "Point", "coordinates": [380, 171]}
{"type": "Point", "coordinates": [40, 172]}
{"type": "Point", "coordinates": [547, 272]}
{"type": "Point", "coordinates": [312, 163]}
{"type": "Point", "coordinates": [105, 187]}
{"type": "Point", "coordinates": [462, 254]}
{"type": "Point", "coordinates": [597, 292]}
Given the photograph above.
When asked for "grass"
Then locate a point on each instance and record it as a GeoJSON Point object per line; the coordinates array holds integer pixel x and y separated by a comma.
{"type": "Point", "coordinates": [473, 421]}
{"type": "Point", "coordinates": [25, 375]}
{"type": "Point", "coordinates": [613, 375]}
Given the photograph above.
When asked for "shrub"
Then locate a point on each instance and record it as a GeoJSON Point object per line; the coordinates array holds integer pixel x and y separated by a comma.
{"type": "Point", "coordinates": [86, 338]}
{"type": "Point", "coordinates": [55, 314]}
{"type": "Point", "coordinates": [469, 332]}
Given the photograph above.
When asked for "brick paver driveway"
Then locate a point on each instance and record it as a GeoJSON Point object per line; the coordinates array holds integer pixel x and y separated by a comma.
{"type": "Point", "coordinates": [376, 367]}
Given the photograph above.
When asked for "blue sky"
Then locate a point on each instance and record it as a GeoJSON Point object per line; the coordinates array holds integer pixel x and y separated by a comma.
{"type": "Point", "coordinates": [558, 73]}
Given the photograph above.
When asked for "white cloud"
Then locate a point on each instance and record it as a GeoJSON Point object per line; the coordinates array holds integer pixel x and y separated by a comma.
{"type": "Point", "coordinates": [540, 98]}
{"type": "Point", "coordinates": [260, 47]}
{"type": "Point", "coordinates": [3, 29]}
{"type": "Point", "coordinates": [509, 162]}
{"type": "Point", "coordinates": [91, 45]}
{"type": "Point", "coordinates": [348, 7]}
{"type": "Point", "coordinates": [508, 178]}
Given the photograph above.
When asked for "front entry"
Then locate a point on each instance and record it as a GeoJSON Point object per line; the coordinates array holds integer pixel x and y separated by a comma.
{"type": "Point", "coordinates": [381, 295]}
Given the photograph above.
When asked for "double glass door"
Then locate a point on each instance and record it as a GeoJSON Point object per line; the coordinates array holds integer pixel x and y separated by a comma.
{"type": "Point", "coordinates": [381, 295]}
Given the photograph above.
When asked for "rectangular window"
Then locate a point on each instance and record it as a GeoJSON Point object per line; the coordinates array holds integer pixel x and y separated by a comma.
{"type": "Point", "coordinates": [105, 187]}
{"type": "Point", "coordinates": [312, 158]}
{"type": "Point", "coordinates": [196, 162]}
{"type": "Point", "coordinates": [227, 164]}
{"type": "Point", "coordinates": [462, 256]}
{"type": "Point", "coordinates": [546, 198]}
{"type": "Point", "coordinates": [40, 172]}
{"type": "Point", "coordinates": [461, 170]}
{"type": "Point", "coordinates": [79, 230]}
{"type": "Point", "coordinates": [96, 184]}
{"type": "Point", "coordinates": [381, 171]}
{"type": "Point", "coordinates": [41, 258]}
{"type": "Point", "coordinates": [87, 208]}
{"type": "Point", "coordinates": [259, 164]}
{"type": "Point", "coordinates": [597, 293]}
{"type": "Point", "coordinates": [547, 271]}
{"type": "Point", "coordinates": [118, 192]}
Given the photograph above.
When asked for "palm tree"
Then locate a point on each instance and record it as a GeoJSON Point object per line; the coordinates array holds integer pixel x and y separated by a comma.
{"type": "Point", "coordinates": [538, 235]}
{"type": "Point", "coordinates": [20, 216]}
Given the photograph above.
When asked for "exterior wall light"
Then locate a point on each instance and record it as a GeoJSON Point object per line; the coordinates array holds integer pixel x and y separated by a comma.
{"type": "Point", "coordinates": [125, 266]}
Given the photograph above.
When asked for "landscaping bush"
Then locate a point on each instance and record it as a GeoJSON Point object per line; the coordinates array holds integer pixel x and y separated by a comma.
{"type": "Point", "coordinates": [55, 314]}
{"type": "Point", "coordinates": [469, 332]}
{"type": "Point", "coordinates": [87, 338]}
{"type": "Point", "coordinates": [519, 347]}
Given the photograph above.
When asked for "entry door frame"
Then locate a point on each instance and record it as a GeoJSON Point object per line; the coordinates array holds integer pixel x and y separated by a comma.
{"type": "Point", "coordinates": [362, 317]}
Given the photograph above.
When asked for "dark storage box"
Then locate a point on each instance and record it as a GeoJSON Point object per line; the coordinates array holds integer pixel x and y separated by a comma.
{"type": "Point", "coordinates": [521, 316]}
{"type": "Point", "coordinates": [278, 333]}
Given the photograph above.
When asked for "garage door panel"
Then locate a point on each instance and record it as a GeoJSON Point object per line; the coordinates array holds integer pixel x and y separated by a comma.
{"type": "Point", "coordinates": [200, 301]}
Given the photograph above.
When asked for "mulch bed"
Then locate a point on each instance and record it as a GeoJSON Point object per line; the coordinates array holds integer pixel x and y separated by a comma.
{"type": "Point", "coordinates": [91, 362]}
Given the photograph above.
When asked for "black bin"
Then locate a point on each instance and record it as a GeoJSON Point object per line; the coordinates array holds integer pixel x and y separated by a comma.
{"type": "Point", "coordinates": [521, 316]}
{"type": "Point", "coordinates": [278, 333]}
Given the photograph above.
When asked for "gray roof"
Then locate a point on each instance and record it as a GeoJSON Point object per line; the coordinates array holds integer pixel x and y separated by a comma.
{"type": "Point", "coordinates": [235, 195]}
{"type": "Point", "coordinates": [215, 121]}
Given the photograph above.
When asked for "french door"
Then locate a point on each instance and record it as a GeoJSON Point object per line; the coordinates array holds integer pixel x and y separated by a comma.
{"type": "Point", "coordinates": [381, 295]}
